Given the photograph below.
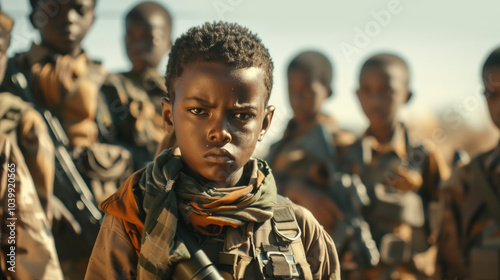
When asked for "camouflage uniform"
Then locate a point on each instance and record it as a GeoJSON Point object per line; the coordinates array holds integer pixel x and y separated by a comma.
{"type": "Point", "coordinates": [469, 241]}
{"type": "Point", "coordinates": [401, 179]}
{"type": "Point", "coordinates": [69, 87]}
{"type": "Point", "coordinates": [25, 126]}
{"type": "Point", "coordinates": [152, 83]}
{"type": "Point", "coordinates": [35, 254]}
{"type": "Point", "coordinates": [134, 102]}
{"type": "Point", "coordinates": [293, 162]}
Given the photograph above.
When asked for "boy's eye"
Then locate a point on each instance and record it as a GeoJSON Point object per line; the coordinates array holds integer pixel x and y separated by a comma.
{"type": "Point", "coordinates": [198, 111]}
{"type": "Point", "coordinates": [243, 116]}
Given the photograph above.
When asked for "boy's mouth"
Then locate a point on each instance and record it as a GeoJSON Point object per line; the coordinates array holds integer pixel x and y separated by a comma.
{"type": "Point", "coordinates": [216, 155]}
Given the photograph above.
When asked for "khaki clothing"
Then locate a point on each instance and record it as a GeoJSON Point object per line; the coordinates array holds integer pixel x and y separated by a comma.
{"type": "Point", "coordinates": [469, 241]}
{"type": "Point", "coordinates": [151, 82]}
{"type": "Point", "coordinates": [293, 161]}
{"type": "Point", "coordinates": [25, 126]}
{"type": "Point", "coordinates": [25, 229]}
{"type": "Point", "coordinates": [67, 86]}
{"type": "Point", "coordinates": [136, 123]}
{"type": "Point", "coordinates": [401, 178]}
{"type": "Point", "coordinates": [118, 248]}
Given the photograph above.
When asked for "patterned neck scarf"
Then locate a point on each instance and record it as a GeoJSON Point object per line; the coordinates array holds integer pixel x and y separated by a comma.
{"type": "Point", "coordinates": [168, 192]}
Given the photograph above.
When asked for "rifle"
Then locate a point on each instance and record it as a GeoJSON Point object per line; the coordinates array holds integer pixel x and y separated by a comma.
{"type": "Point", "coordinates": [199, 266]}
{"type": "Point", "coordinates": [69, 185]}
{"type": "Point", "coordinates": [350, 195]}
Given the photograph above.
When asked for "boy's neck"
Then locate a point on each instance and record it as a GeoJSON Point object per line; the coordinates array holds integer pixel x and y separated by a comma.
{"type": "Point", "coordinates": [74, 52]}
{"type": "Point", "coordinates": [382, 132]}
{"type": "Point", "coordinates": [235, 179]}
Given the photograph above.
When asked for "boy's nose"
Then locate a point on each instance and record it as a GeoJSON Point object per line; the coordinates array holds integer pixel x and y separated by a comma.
{"type": "Point", "coordinates": [71, 16]}
{"type": "Point", "coordinates": [219, 132]}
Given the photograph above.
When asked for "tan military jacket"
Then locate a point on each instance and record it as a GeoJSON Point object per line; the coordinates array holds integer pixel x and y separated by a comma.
{"type": "Point", "coordinates": [137, 124]}
{"type": "Point", "coordinates": [24, 125]}
{"type": "Point", "coordinates": [152, 83]}
{"type": "Point", "coordinates": [67, 86]}
{"type": "Point", "coordinates": [27, 245]}
{"type": "Point", "coordinates": [117, 248]}
{"type": "Point", "coordinates": [469, 241]}
{"type": "Point", "coordinates": [292, 162]}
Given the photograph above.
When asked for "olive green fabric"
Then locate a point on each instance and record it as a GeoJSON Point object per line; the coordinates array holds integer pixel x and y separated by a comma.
{"type": "Point", "coordinates": [165, 190]}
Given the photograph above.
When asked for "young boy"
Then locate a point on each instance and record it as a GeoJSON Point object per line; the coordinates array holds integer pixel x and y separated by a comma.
{"type": "Point", "coordinates": [469, 241]}
{"type": "Point", "coordinates": [400, 175]}
{"type": "Point", "coordinates": [299, 165]}
{"type": "Point", "coordinates": [148, 38]}
{"type": "Point", "coordinates": [219, 78]}
{"type": "Point", "coordinates": [135, 96]}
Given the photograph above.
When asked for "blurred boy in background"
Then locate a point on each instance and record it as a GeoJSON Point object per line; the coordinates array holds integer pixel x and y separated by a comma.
{"type": "Point", "coordinates": [299, 165]}
{"type": "Point", "coordinates": [401, 176]}
{"type": "Point", "coordinates": [469, 241]}
{"type": "Point", "coordinates": [27, 245]}
{"type": "Point", "coordinates": [134, 97]}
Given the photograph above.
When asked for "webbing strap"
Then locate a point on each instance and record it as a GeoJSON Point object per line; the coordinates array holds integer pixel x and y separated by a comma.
{"type": "Point", "coordinates": [284, 223]}
{"type": "Point", "coordinates": [286, 227]}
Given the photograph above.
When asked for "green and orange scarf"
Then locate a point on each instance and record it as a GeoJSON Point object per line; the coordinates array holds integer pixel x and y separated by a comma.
{"type": "Point", "coordinates": [168, 191]}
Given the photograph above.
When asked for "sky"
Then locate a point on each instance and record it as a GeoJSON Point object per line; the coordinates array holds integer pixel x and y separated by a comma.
{"type": "Point", "coordinates": [445, 43]}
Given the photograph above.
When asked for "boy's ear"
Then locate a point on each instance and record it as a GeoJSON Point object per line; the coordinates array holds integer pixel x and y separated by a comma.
{"type": "Point", "coordinates": [408, 98]}
{"type": "Point", "coordinates": [167, 111]}
{"type": "Point", "coordinates": [32, 20]}
{"type": "Point", "coordinates": [266, 122]}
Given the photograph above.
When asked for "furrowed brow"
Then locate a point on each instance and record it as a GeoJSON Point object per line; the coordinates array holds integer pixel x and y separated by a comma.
{"type": "Point", "coordinates": [202, 101]}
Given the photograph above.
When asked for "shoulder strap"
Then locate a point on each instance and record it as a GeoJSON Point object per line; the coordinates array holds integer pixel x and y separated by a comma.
{"type": "Point", "coordinates": [287, 230]}
{"type": "Point", "coordinates": [485, 186]}
{"type": "Point", "coordinates": [284, 223]}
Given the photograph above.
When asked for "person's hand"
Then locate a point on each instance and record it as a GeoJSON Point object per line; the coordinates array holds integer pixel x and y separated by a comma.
{"type": "Point", "coordinates": [320, 205]}
{"type": "Point", "coordinates": [404, 179]}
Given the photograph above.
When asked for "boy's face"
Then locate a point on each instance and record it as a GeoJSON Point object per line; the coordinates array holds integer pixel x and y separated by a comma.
{"type": "Point", "coordinates": [147, 42]}
{"type": "Point", "coordinates": [491, 81]}
{"type": "Point", "coordinates": [63, 24]}
{"type": "Point", "coordinates": [382, 90]}
{"type": "Point", "coordinates": [305, 96]}
{"type": "Point", "coordinates": [218, 115]}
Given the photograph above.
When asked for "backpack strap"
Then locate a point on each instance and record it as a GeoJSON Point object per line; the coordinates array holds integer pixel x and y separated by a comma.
{"type": "Point", "coordinates": [282, 255]}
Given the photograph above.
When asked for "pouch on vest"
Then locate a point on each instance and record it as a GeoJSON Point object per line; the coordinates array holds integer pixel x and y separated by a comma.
{"type": "Point", "coordinates": [394, 250]}
{"type": "Point", "coordinates": [104, 167]}
{"type": "Point", "coordinates": [394, 207]}
{"type": "Point", "coordinates": [286, 258]}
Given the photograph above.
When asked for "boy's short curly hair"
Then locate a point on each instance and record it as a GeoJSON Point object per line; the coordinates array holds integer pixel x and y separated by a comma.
{"type": "Point", "coordinates": [227, 43]}
{"type": "Point", "coordinates": [493, 60]}
{"type": "Point", "coordinates": [385, 60]}
{"type": "Point", "coordinates": [33, 3]}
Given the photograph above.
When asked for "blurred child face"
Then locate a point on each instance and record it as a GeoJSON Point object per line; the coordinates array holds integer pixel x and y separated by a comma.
{"type": "Point", "coordinates": [218, 114]}
{"type": "Point", "coordinates": [147, 42]}
{"type": "Point", "coordinates": [63, 24]}
{"type": "Point", "coordinates": [305, 96]}
{"type": "Point", "coordinates": [491, 81]}
{"type": "Point", "coordinates": [381, 92]}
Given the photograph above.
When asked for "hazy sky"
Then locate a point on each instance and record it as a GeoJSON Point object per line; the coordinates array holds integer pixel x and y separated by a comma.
{"type": "Point", "coordinates": [445, 43]}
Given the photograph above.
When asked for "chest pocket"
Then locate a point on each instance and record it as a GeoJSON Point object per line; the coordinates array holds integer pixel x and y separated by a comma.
{"type": "Point", "coordinates": [278, 252]}
{"type": "Point", "coordinates": [278, 245]}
